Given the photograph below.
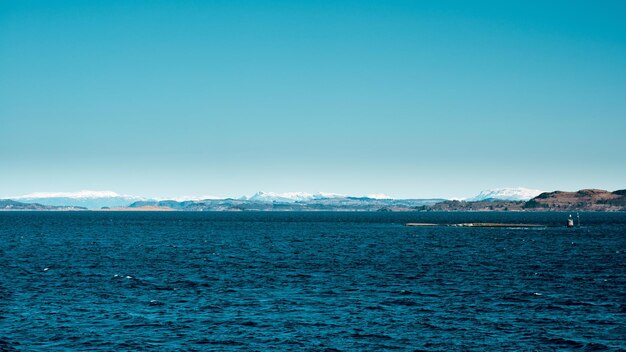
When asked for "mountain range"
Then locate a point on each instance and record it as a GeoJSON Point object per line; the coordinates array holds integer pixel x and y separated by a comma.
{"type": "Point", "coordinates": [85, 199]}
{"type": "Point", "coordinates": [259, 200]}
{"type": "Point", "coordinates": [8, 204]}
{"type": "Point", "coordinates": [109, 199]}
{"type": "Point", "coordinates": [335, 203]}
{"type": "Point", "coordinates": [515, 194]}
{"type": "Point", "coordinates": [503, 199]}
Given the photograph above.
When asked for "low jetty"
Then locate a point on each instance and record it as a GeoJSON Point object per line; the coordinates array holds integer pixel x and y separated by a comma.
{"type": "Point", "coordinates": [475, 224]}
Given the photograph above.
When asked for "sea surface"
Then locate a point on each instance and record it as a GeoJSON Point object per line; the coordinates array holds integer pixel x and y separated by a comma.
{"type": "Point", "coordinates": [177, 281]}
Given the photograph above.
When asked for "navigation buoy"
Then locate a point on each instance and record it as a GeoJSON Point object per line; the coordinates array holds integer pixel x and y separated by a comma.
{"type": "Point", "coordinates": [570, 221]}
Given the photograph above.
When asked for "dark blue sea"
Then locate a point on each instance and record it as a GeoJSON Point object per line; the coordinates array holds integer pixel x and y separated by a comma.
{"type": "Point", "coordinates": [182, 281]}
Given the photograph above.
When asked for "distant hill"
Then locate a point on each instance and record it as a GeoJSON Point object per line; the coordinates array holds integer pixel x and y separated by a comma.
{"type": "Point", "coordinates": [334, 203]}
{"type": "Point", "coordinates": [583, 200]}
{"type": "Point", "coordinates": [83, 199]}
{"type": "Point", "coordinates": [8, 204]}
{"type": "Point", "coordinates": [515, 194]}
{"type": "Point", "coordinates": [485, 205]}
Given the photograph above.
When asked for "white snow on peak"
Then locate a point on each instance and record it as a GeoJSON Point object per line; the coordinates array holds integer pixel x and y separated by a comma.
{"type": "Point", "coordinates": [85, 194]}
{"type": "Point", "coordinates": [326, 195]}
{"type": "Point", "coordinates": [378, 196]}
{"type": "Point", "coordinates": [516, 193]}
{"type": "Point", "coordinates": [290, 197]}
{"type": "Point", "coordinates": [85, 198]}
{"type": "Point", "coordinates": [280, 197]}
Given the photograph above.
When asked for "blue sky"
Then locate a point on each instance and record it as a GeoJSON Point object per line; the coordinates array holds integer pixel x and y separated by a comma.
{"type": "Point", "coordinates": [407, 98]}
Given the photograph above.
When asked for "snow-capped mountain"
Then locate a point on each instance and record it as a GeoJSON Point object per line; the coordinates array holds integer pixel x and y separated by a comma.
{"type": "Point", "coordinates": [87, 199]}
{"type": "Point", "coordinates": [517, 193]}
{"type": "Point", "coordinates": [286, 197]}
{"type": "Point", "coordinates": [379, 196]}
{"type": "Point", "coordinates": [110, 199]}
{"type": "Point", "coordinates": [289, 197]}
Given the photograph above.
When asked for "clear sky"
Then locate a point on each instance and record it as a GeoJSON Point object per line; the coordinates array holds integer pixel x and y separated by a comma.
{"type": "Point", "coordinates": [407, 98]}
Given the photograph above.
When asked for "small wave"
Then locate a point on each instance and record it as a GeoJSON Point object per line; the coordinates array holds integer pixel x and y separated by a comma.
{"type": "Point", "coordinates": [516, 297]}
{"type": "Point", "coordinates": [594, 346]}
{"type": "Point", "coordinates": [400, 302]}
{"type": "Point", "coordinates": [371, 336]}
{"type": "Point", "coordinates": [572, 302]}
{"type": "Point", "coordinates": [300, 276]}
{"type": "Point", "coordinates": [6, 346]}
{"type": "Point", "coordinates": [249, 323]}
{"type": "Point", "coordinates": [564, 342]}
{"type": "Point", "coordinates": [190, 283]}
{"type": "Point", "coordinates": [219, 342]}
{"type": "Point", "coordinates": [553, 307]}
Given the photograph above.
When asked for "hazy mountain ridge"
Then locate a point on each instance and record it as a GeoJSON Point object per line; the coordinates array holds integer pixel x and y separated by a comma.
{"type": "Point", "coordinates": [258, 201]}
{"type": "Point", "coordinates": [82, 199]}
{"type": "Point", "coordinates": [486, 205]}
{"type": "Point", "coordinates": [8, 204]}
{"type": "Point", "coordinates": [513, 194]}
{"type": "Point", "coordinates": [313, 204]}
{"type": "Point", "coordinates": [583, 200]}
